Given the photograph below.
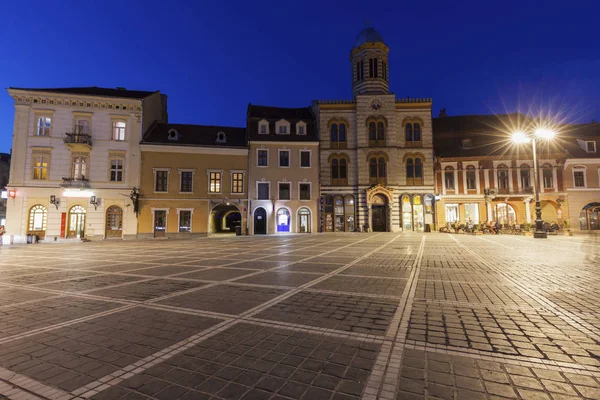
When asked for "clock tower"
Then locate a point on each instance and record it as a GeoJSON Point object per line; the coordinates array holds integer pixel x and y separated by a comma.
{"type": "Point", "coordinates": [369, 61]}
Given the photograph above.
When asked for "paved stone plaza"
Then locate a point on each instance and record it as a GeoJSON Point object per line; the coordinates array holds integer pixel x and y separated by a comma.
{"type": "Point", "coordinates": [339, 317]}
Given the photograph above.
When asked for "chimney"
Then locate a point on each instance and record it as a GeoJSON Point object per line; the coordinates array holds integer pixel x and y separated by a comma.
{"type": "Point", "coordinates": [443, 113]}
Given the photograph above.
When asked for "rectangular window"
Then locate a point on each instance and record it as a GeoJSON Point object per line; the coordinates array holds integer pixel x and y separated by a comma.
{"type": "Point", "coordinates": [263, 129]}
{"type": "Point", "coordinates": [282, 129]}
{"type": "Point", "coordinates": [547, 178]}
{"type": "Point", "coordinates": [43, 126]}
{"type": "Point", "coordinates": [237, 182]}
{"type": "Point", "coordinates": [449, 177]}
{"type": "Point", "coordinates": [525, 178]}
{"type": "Point", "coordinates": [185, 221]}
{"type": "Point", "coordinates": [284, 158]}
{"type": "Point", "coordinates": [451, 213]}
{"type": "Point", "coordinates": [472, 213]}
{"type": "Point", "coordinates": [186, 182]}
{"type": "Point", "coordinates": [305, 191]}
{"type": "Point", "coordinates": [263, 191]}
{"type": "Point", "coordinates": [579, 178]}
{"type": "Point", "coordinates": [371, 73]}
{"type": "Point", "coordinates": [116, 170]}
{"type": "Point", "coordinates": [80, 167]}
{"type": "Point", "coordinates": [161, 181]}
{"type": "Point", "coordinates": [284, 191]}
{"type": "Point", "coordinates": [40, 167]}
{"type": "Point", "coordinates": [263, 158]}
{"type": "Point", "coordinates": [215, 182]}
{"type": "Point", "coordinates": [305, 158]}
{"type": "Point", "coordinates": [590, 146]}
{"type": "Point", "coordinates": [471, 179]}
{"type": "Point", "coordinates": [118, 130]}
{"type": "Point", "coordinates": [301, 130]}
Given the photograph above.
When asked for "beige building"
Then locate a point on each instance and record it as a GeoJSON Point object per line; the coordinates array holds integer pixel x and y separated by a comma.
{"type": "Point", "coordinates": [283, 184]}
{"type": "Point", "coordinates": [481, 176]}
{"type": "Point", "coordinates": [76, 161]}
{"type": "Point", "coordinates": [581, 176]}
{"type": "Point", "coordinates": [376, 151]}
{"type": "Point", "coordinates": [193, 181]}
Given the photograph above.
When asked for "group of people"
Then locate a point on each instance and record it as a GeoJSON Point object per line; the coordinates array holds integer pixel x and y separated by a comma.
{"type": "Point", "coordinates": [493, 226]}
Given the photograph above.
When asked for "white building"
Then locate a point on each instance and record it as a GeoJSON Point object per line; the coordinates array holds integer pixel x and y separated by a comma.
{"type": "Point", "coordinates": [76, 161]}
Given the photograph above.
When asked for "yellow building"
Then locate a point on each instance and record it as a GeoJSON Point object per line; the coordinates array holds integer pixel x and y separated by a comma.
{"type": "Point", "coordinates": [193, 181]}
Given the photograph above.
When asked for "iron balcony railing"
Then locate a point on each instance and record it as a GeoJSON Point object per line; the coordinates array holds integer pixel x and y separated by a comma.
{"type": "Point", "coordinates": [78, 138]}
{"type": "Point", "coordinates": [75, 183]}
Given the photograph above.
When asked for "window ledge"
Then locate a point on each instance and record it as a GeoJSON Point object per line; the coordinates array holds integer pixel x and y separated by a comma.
{"type": "Point", "coordinates": [237, 194]}
{"type": "Point", "coordinates": [185, 192]}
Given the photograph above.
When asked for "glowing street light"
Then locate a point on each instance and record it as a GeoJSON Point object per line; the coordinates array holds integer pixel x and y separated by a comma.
{"type": "Point", "coordinates": [522, 138]}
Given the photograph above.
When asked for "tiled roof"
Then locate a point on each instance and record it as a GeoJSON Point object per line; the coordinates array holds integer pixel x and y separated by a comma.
{"type": "Point", "coordinates": [95, 91]}
{"type": "Point", "coordinates": [274, 114]}
{"type": "Point", "coordinates": [574, 136]}
{"type": "Point", "coordinates": [194, 135]}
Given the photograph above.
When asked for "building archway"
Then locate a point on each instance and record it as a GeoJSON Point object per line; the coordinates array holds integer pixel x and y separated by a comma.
{"type": "Point", "coordinates": [304, 225]}
{"type": "Point", "coordinates": [379, 206]}
{"type": "Point", "coordinates": [224, 218]}
{"type": "Point", "coordinates": [505, 214]}
{"type": "Point", "coordinates": [283, 222]}
{"type": "Point", "coordinates": [76, 222]}
{"type": "Point", "coordinates": [589, 217]}
{"type": "Point", "coordinates": [114, 222]}
{"type": "Point", "coordinates": [38, 219]}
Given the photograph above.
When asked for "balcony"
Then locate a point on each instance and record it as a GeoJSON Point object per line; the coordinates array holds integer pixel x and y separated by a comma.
{"type": "Point", "coordinates": [75, 183]}
{"type": "Point", "coordinates": [78, 141]}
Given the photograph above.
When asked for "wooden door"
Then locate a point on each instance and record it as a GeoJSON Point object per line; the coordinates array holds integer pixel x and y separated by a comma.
{"type": "Point", "coordinates": [379, 218]}
{"type": "Point", "coordinates": [114, 222]}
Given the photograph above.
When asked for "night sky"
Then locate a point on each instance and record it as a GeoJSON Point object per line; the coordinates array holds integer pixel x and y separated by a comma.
{"type": "Point", "coordinates": [214, 57]}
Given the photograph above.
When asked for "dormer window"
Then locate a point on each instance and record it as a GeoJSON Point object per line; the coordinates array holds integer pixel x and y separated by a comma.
{"type": "Point", "coordinates": [173, 134]}
{"type": "Point", "coordinates": [300, 128]}
{"type": "Point", "coordinates": [282, 127]}
{"type": "Point", "coordinates": [466, 143]}
{"type": "Point", "coordinates": [221, 137]}
{"type": "Point", "coordinates": [263, 127]}
{"type": "Point", "coordinates": [590, 146]}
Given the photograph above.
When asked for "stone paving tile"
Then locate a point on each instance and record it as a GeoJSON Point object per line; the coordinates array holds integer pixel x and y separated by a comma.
{"type": "Point", "coordinates": [73, 356]}
{"type": "Point", "coordinates": [393, 272]}
{"type": "Point", "coordinates": [440, 376]}
{"type": "Point", "coordinates": [217, 274]}
{"type": "Point", "coordinates": [11, 271]}
{"type": "Point", "coordinates": [164, 271]}
{"type": "Point", "coordinates": [278, 278]}
{"type": "Point", "coordinates": [47, 277]}
{"type": "Point", "coordinates": [530, 333]}
{"type": "Point", "coordinates": [333, 311]}
{"type": "Point", "coordinates": [10, 295]}
{"type": "Point", "coordinates": [88, 283]}
{"type": "Point", "coordinates": [310, 266]}
{"type": "Point", "coordinates": [122, 267]}
{"type": "Point", "coordinates": [253, 362]}
{"type": "Point", "coordinates": [367, 285]}
{"type": "Point", "coordinates": [147, 290]}
{"type": "Point", "coordinates": [226, 299]}
{"type": "Point", "coordinates": [22, 318]}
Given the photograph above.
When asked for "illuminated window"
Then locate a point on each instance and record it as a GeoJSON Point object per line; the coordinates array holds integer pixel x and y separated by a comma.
{"type": "Point", "coordinates": [215, 182]}
{"type": "Point", "coordinates": [40, 167]}
{"type": "Point", "coordinates": [118, 130]}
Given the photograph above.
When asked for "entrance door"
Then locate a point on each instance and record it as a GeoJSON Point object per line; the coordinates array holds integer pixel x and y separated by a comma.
{"type": "Point", "coordinates": [114, 222]}
{"type": "Point", "coordinates": [304, 220]}
{"type": "Point", "coordinates": [260, 221]}
{"type": "Point", "coordinates": [160, 223]}
{"type": "Point", "coordinates": [379, 217]}
{"type": "Point", "coordinates": [76, 222]}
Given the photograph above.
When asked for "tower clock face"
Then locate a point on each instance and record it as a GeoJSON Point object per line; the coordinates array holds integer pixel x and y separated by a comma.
{"type": "Point", "coordinates": [376, 104]}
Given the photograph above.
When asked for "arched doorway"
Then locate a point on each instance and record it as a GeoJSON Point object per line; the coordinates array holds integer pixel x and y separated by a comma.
{"type": "Point", "coordinates": [260, 221]}
{"type": "Point", "coordinates": [304, 220]}
{"type": "Point", "coordinates": [589, 217]}
{"type": "Point", "coordinates": [76, 222]}
{"type": "Point", "coordinates": [283, 220]}
{"type": "Point", "coordinates": [114, 222]}
{"type": "Point", "coordinates": [225, 218]}
{"type": "Point", "coordinates": [38, 218]}
{"type": "Point", "coordinates": [505, 214]}
{"type": "Point", "coordinates": [379, 213]}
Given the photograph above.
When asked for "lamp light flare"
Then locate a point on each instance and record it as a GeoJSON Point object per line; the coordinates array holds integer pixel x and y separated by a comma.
{"type": "Point", "coordinates": [544, 133]}
{"type": "Point", "coordinates": [520, 137]}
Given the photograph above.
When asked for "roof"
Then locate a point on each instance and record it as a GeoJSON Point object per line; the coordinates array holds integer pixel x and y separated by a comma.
{"type": "Point", "coordinates": [94, 91]}
{"type": "Point", "coordinates": [194, 135]}
{"type": "Point", "coordinates": [271, 114]}
{"type": "Point", "coordinates": [574, 136]}
{"type": "Point", "coordinates": [368, 35]}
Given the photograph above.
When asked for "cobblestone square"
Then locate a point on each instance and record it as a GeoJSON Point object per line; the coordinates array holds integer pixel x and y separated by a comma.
{"type": "Point", "coordinates": [335, 316]}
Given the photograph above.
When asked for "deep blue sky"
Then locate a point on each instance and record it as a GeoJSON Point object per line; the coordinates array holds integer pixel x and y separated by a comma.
{"type": "Point", "coordinates": [214, 57]}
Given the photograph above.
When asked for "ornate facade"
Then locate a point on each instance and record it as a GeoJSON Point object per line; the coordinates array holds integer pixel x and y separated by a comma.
{"type": "Point", "coordinates": [376, 151]}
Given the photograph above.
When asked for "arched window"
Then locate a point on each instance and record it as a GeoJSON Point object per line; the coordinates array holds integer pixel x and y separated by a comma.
{"type": "Point", "coordinates": [547, 176]}
{"type": "Point", "coordinates": [409, 132]}
{"type": "Point", "coordinates": [525, 177]}
{"type": "Point", "coordinates": [414, 171]}
{"type": "Point", "coordinates": [342, 136]}
{"type": "Point", "coordinates": [339, 171]}
{"type": "Point", "coordinates": [381, 168]}
{"type": "Point", "coordinates": [334, 133]}
{"type": "Point", "coordinates": [449, 178]}
{"type": "Point", "coordinates": [380, 131]}
{"type": "Point", "coordinates": [471, 178]}
{"type": "Point", "coordinates": [505, 214]}
{"type": "Point", "coordinates": [410, 170]}
{"type": "Point", "coordinates": [418, 170]}
{"type": "Point", "coordinates": [372, 131]}
{"type": "Point", "coordinates": [338, 135]}
{"type": "Point", "coordinates": [283, 220]}
{"type": "Point", "coordinates": [373, 168]}
{"type": "Point", "coordinates": [417, 133]}
{"type": "Point", "coordinates": [502, 175]}
{"type": "Point", "coordinates": [38, 217]}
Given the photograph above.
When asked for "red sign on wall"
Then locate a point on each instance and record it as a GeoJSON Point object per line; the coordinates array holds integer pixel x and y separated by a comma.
{"type": "Point", "coordinates": [63, 224]}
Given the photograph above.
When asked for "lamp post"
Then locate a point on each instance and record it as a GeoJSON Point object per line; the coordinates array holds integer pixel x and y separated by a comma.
{"type": "Point", "coordinates": [522, 137]}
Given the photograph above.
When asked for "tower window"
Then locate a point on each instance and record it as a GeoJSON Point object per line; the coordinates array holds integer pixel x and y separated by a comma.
{"type": "Point", "coordinates": [373, 72]}
{"type": "Point", "coordinates": [384, 70]}
{"type": "Point", "coordinates": [360, 71]}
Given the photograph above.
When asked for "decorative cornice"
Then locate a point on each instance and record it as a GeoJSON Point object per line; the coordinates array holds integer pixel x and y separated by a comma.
{"type": "Point", "coordinates": [83, 103]}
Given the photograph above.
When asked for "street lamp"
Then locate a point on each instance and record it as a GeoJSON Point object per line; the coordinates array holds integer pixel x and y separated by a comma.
{"type": "Point", "coordinates": [521, 138]}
